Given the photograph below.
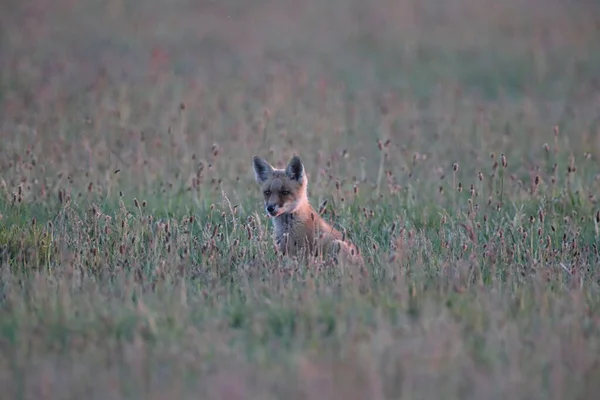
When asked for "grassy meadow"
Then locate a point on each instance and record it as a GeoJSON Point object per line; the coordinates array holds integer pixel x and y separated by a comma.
{"type": "Point", "coordinates": [457, 142]}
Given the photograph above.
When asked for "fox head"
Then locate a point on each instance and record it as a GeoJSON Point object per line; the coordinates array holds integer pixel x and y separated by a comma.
{"type": "Point", "coordinates": [283, 189]}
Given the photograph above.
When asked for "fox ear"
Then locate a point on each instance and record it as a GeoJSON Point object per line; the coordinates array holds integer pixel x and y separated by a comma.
{"type": "Point", "coordinates": [262, 169]}
{"type": "Point", "coordinates": [295, 169]}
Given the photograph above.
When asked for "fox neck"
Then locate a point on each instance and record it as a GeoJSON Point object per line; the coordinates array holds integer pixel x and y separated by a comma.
{"type": "Point", "coordinates": [302, 212]}
{"type": "Point", "coordinates": [302, 209]}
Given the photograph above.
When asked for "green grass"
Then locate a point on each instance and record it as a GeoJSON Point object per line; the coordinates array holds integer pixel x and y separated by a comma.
{"type": "Point", "coordinates": [135, 258]}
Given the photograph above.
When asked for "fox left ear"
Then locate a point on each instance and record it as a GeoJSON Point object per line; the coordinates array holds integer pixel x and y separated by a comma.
{"type": "Point", "coordinates": [295, 169]}
{"type": "Point", "coordinates": [262, 169]}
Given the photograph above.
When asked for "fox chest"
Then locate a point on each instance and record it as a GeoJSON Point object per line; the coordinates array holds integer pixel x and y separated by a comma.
{"type": "Point", "coordinates": [292, 234]}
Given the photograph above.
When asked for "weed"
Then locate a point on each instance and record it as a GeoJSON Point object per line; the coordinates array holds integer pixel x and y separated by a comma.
{"type": "Point", "coordinates": [456, 144]}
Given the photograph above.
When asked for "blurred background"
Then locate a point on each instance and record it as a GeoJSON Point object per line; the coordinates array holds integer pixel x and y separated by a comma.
{"type": "Point", "coordinates": [320, 78]}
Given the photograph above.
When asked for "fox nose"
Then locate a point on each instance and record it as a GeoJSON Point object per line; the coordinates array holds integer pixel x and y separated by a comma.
{"type": "Point", "coordinates": [270, 208]}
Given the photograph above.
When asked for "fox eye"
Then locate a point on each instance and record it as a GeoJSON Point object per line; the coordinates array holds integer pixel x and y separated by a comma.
{"type": "Point", "coordinates": [285, 192]}
{"type": "Point", "coordinates": [267, 192]}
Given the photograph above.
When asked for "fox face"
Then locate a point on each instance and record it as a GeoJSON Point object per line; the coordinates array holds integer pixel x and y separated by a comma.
{"type": "Point", "coordinates": [283, 189]}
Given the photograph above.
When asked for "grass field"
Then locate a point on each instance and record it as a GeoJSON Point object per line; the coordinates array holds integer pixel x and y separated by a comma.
{"type": "Point", "coordinates": [457, 142]}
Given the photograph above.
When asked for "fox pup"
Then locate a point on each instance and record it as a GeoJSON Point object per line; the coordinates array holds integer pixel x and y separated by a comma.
{"type": "Point", "coordinates": [298, 227]}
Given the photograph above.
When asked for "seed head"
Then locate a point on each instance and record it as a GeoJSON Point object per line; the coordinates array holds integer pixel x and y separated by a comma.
{"type": "Point", "coordinates": [321, 208]}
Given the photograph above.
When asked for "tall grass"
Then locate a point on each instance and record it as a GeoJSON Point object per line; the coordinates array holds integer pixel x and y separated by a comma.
{"type": "Point", "coordinates": [456, 143]}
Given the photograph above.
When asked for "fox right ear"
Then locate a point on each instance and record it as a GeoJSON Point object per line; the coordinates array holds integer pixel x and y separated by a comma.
{"type": "Point", "coordinates": [295, 169]}
{"type": "Point", "coordinates": [262, 169]}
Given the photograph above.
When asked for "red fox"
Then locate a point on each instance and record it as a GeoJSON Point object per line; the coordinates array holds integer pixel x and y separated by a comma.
{"type": "Point", "coordinates": [298, 227]}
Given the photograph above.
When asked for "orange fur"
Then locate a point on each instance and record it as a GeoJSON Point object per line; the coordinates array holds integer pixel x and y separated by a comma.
{"type": "Point", "coordinates": [297, 226]}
